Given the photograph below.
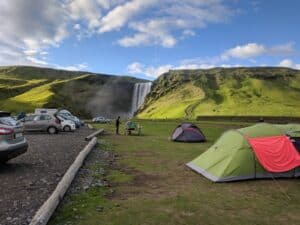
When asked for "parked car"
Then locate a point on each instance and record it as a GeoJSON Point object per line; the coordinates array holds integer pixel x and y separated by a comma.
{"type": "Point", "coordinates": [45, 111]}
{"type": "Point", "coordinates": [42, 122]}
{"type": "Point", "coordinates": [67, 125]}
{"type": "Point", "coordinates": [78, 120]}
{"type": "Point", "coordinates": [101, 119]}
{"type": "Point", "coordinates": [71, 118]}
{"type": "Point", "coordinates": [12, 140]}
{"type": "Point", "coordinates": [68, 116]}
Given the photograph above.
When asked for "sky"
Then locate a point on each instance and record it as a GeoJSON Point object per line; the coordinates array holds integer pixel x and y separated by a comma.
{"type": "Point", "coordinates": [145, 38]}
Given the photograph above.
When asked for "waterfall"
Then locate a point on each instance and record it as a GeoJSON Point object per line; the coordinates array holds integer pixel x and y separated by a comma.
{"type": "Point", "coordinates": [140, 92]}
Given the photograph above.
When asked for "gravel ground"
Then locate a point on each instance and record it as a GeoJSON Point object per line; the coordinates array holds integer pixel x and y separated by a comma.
{"type": "Point", "coordinates": [90, 175]}
{"type": "Point", "coordinates": [28, 180]}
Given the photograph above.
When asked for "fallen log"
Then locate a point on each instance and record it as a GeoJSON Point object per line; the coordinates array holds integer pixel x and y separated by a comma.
{"type": "Point", "coordinates": [90, 126]}
{"type": "Point", "coordinates": [45, 212]}
{"type": "Point", "coordinates": [100, 131]}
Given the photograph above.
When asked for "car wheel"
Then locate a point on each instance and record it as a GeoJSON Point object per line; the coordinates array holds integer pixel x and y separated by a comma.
{"type": "Point", "coordinates": [67, 128]}
{"type": "Point", "coordinates": [52, 130]}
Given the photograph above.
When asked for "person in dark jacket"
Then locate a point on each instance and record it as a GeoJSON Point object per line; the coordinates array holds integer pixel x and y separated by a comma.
{"type": "Point", "coordinates": [21, 116]}
{"type": "Point", "coordinates": [117, 124]}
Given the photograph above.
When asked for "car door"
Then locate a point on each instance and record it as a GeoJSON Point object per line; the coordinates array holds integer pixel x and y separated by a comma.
{"type": "Point", "coordinates": [36, 125]}
{"type": "Point", "coordinates": [44, 121]}
{"type": "Point", "coordinates": [29, 123]}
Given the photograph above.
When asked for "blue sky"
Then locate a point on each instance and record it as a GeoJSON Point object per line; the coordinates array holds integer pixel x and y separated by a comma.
{"type": "Point", "coordinates": [145, 38]}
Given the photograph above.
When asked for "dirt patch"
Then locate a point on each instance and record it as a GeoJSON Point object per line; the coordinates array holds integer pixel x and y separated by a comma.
{"type": "Point", "coordinates": [149, 185]}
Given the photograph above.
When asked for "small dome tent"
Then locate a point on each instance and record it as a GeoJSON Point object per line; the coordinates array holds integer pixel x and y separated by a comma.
{"type": "Point", "coordinates": [187, 132]}
{"type": "Point", "coordinates": [250, 153]}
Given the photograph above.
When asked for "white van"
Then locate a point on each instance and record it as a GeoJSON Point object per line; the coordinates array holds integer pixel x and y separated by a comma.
{"type": "Point", "coordinates": [45, 111]}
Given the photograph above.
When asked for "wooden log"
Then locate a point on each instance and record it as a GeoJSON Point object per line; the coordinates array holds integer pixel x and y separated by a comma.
{"type": "Point", "coordinates": [90, 126]}
{"type": "Point", "coordinates": [45, 212]}
{"type": "Point", "coordinates": [100, 131]}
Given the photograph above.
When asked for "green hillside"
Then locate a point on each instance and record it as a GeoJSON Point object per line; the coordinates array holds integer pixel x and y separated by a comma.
{"type": "Point", "coordinates": [233, 92]}
{"type": "Point", "coordinates": [86, 94]}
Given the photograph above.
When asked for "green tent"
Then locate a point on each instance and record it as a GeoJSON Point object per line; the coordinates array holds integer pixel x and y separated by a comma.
{"type": "Point", "coordinates": [232, 158]}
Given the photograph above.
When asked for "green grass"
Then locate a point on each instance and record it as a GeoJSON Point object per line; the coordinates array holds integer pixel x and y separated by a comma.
{"type": "Point", "coordinates": [255, 97]}
{"type": "Point", "coordinates": [37, 92]}
{"type": "Point", "coordinates": [26, 88]}
{"type": "Point", "coordinates": [231, 92]}
{"type": "Point", "coordinates": [117, 176]}
{"type": "Point", "coordinates": [174, 103]}
{"type": "Point", "coordinates": [160, 189]}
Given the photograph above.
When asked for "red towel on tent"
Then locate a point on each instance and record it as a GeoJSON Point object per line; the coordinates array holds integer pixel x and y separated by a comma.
{"type": "Point", "coordinates": [276, 154]}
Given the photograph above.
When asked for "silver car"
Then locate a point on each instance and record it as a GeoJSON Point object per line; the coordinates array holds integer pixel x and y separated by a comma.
{"type": "Point", "coordinates": [12, 140]}
{"type": "Point", "coordinates": [42, 122]}
{"type": "Point", "coordinates": [101, 119]}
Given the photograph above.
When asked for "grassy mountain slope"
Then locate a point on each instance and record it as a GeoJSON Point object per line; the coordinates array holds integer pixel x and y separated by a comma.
{"type": "Point", "coordinates": [27, 88]}
{"type": "Point", "coordinates": [219, 91]}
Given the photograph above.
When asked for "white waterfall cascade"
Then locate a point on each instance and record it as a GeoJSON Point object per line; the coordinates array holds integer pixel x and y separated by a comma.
{"type": "Point", "coordinates": [141, 90]}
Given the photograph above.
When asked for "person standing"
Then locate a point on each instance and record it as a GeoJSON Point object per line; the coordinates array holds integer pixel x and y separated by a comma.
{"type": "Point", "coordinates": [117, 125]}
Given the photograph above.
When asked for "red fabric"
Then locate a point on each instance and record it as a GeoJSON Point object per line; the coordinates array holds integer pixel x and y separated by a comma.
{"type": "Point", "coordinates": [276, 154]}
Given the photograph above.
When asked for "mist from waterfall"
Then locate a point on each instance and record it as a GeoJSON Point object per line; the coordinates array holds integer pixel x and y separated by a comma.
{"type": "Point", "coordinates": [141, 90]}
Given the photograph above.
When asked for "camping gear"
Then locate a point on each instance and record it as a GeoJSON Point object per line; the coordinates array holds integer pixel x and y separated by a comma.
{"type": "Point", "coordinates": [237, 156]}
{"type": "Point", "coordinates": [296, 143]}
{"type": "Point", "coordinates": [276, 154]}
{"type": "Point", "coordinates": [188, 132]}
{"type": "Point", "coordinates": [132, 126]}
{"type": "Point", "coordinates": [295, 138]}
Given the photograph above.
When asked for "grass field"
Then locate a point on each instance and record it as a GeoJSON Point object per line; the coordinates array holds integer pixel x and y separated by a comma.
{"type": "Point", "coordinates": [23, 88]}
{"type": "Point", "coordinates": [252, 97]}
{"type": "Point", "coordinates": [232, 92]}
{"type": "Point", "coordinates": [152, 186]}
{"type": "Point", "coordinates": [27, 94]}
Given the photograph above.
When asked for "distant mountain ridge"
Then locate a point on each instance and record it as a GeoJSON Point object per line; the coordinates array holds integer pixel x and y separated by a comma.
{"type": "Point", "coordinates": [24, 88]}
{"type": "Point", "coordinates": [262, 91]}
{"type": "Point", "coordinates": [265, 91]}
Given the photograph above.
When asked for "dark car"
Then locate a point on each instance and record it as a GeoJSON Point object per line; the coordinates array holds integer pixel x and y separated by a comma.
{"type": "Point", "coordinates": [12, 140]}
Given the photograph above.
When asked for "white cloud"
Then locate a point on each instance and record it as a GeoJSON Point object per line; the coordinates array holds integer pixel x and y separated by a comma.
{"type": "Point", "coordinates": [254, 50]}
{"type": "Point", "coordinates": [89, 12]}
{"type": "Point", "coordinates": [138, 68]}
{"type": "Point", "coordinates": [248, 51]}
{"type": "Point", "coordinates": [286, 63]}
{"type": "Point", "coordinates": [170, 17]}
{"type": "Point", "coordinates": [36, 61]}
{"type": "Point", "coordinates": [30, 27]}
{"type": "Point", "coordinates": [289, 64]}
{"type": "Point", "coordinates": [188, 33]}
{"type": "Point", "coordinates": [152, 32]}
{"type": "Point", "coordinates": [120, 15]}
{"type": "Point", "coordinates": [78, 67]}
{"type": "Point", "coordinates": [245, 51]}
{"type": "Point", "coordinates": [86, 10]}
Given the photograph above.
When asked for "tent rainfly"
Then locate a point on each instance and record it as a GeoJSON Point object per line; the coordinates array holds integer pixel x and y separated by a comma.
{"type": "Point", "coordinates": [259, 151]}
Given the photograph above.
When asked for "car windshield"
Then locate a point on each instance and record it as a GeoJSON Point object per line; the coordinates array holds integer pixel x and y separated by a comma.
{"type": "Point", "coordinates": [64, 116]}
{"type": "Point", "coordinates": [8, 121]}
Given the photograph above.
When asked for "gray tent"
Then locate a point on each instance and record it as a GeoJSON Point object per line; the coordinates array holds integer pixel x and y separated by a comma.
{"type": "Point", "coordinates": [188, 132]}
